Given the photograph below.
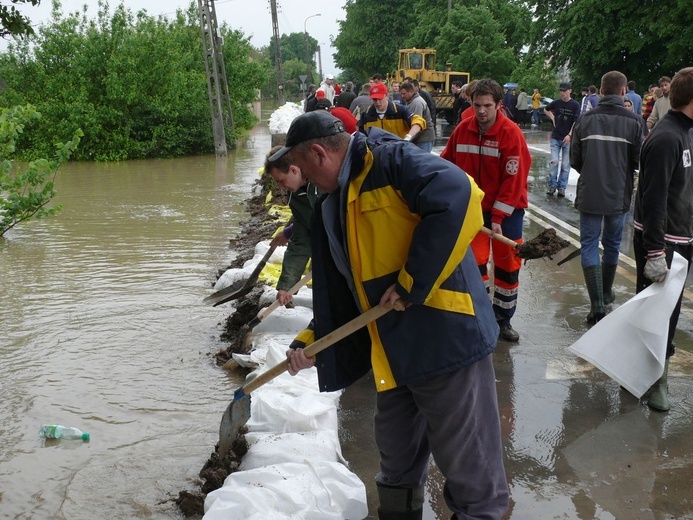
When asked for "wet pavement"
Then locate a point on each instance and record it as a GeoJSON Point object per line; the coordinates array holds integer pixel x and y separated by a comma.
{"type": "Point", "coordinates": [577, 446]}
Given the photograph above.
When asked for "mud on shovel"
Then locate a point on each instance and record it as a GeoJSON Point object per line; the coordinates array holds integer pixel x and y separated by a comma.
{"type": "Point", "coordinates": [245, 329]}
{"type": "Point", "coordinates": [238, 411]}
{"type": "Point", "coordinates": [545, 244]}
{"type": "Point", "coordinates": [240, 287]}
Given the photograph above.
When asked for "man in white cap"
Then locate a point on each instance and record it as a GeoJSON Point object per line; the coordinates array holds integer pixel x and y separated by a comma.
{"type": "Point", "coordinates": [327, 87]}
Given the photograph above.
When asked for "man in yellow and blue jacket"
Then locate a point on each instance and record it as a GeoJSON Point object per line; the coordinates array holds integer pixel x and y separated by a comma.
{"type": "Point", "coordinates": [394, 223]}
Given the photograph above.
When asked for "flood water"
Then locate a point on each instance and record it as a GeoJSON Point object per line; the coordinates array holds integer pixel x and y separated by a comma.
{"type": "Point", "coordinates": [102, 327]}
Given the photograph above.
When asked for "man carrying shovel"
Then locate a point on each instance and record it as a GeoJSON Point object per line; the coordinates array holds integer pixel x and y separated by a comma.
{"type": "Point", "coordinates": [492, 149]}
{"type": "Point", "coordinates": [394, 224]}
{"type": "Point", "coordinates": [663, 218]}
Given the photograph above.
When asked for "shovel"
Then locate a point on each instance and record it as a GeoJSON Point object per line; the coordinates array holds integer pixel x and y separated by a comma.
{"type": "Point", "coordinates": [238, 411]}
{"type": "Point", "coordinates": [245, 329]}
{"type": "Point", "coordinates": [545, 244]}
{"type": "Point", "coordinates": [240, 287]}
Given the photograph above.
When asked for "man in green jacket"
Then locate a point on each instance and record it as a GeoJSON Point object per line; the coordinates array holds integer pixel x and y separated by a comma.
{"type": "Point", "coordinates": [296, 234]}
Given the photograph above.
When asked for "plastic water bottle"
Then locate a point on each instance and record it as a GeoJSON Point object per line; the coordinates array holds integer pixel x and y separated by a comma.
{"type": "Point", "coordinates": [56, 431]}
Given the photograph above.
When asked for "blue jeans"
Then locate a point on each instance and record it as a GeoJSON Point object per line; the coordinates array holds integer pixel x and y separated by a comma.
{"type": "Point", "coordinates": [427, 146]}
{"type": "Point", "coordinates": [562, 150]}
{"type": "Point", "coordinates": [535, 116]}
{"type": "Point", "coordinates": [591, 228]}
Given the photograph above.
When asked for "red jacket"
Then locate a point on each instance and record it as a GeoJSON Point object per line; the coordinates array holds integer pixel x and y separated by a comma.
{"type": "Point", "coordinates": [498, 161]}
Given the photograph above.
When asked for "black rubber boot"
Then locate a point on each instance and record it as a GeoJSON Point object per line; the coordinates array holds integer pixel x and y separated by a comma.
{"type": "Point", "coordinates": [608, 275]}
{"type": "Point", "coordinates": [400, 503]}
{"type": "Point", "coordinates": [659, 392]}
{"type": "Point", "coordinates": [593, 280]}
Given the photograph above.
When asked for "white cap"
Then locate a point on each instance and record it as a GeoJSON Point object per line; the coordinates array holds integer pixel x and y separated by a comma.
{"type": "Point", "coordinates": [329, 76]}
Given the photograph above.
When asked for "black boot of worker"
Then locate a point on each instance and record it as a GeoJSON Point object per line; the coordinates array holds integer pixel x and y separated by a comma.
{"type": "Point", "coordinates": [608, 275]}
{"type": "Point", "coordinates": [593, 280]}
{"type": "Point", "coordinates": [400, 503]}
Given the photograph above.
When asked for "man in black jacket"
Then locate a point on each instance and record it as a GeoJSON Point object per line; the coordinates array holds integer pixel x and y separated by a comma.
{"type": "Point", "coordinates": [664, 206]}
{"type": "Point", "coordinates": [605, 151]}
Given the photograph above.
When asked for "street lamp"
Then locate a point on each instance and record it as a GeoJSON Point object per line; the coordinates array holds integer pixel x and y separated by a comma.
{"type": "Point", "coordinates": [305, 34]}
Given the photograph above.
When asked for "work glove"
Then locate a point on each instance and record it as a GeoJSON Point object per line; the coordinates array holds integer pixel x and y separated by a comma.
{"type": "Point", "coordinates": [656, 268]}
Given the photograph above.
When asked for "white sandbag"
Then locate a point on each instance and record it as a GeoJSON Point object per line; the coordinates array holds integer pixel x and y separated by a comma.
{"type": "Point", "coordinates": [629, 344]}
{"type": "Point", "coordinates": [275, 410]}
{"type": "Point", "coordinates": [266, 449]}
{"type": "Point", "coordinates": [307, 491]}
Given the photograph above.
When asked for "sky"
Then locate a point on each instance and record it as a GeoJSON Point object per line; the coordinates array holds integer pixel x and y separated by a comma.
{"type": "Point", "coordinates": [253, 18]}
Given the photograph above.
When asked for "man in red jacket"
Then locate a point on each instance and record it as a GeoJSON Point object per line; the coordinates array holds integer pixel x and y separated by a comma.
{"type": "Point", "coordinates": [493, 151]}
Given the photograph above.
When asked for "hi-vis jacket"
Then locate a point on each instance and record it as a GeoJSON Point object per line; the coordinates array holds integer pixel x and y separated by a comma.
{"type": "Point", "coordinates": [397, 120]}
{"type": "Point", "coordinates": [498, 161]}
{"type": "Point", "coordinates": [409, 218]}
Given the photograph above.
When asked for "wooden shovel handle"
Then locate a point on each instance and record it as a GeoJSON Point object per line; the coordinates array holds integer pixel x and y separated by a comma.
{"type": "Point", "coordinates": [500, 238]}
{"type": "Point", "coordinates": [269, 310]}
{"type": "Point", "coordinates": [319, 345]}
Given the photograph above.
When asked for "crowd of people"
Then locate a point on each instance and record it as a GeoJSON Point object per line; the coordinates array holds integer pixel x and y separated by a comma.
{"type": "Point", "coordinates": [395, 225]}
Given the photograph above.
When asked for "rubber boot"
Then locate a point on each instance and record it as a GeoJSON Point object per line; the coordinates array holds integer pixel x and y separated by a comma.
{"type": "Point", "coordinates": [659, 398]}
{"type": "Point", "coordinates": [608, 275]}
{"type": "Point", "coordinates": [593, 280]}
{"type": "Point", "coordinates": [400, 503]}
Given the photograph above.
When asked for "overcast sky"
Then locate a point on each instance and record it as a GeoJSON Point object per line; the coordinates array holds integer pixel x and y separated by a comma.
{"type": "Point", "coordinates": [252, 17]}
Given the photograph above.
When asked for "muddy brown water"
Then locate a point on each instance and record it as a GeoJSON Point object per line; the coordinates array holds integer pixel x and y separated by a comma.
{"type": "Point", "coordinates": [102, 327]}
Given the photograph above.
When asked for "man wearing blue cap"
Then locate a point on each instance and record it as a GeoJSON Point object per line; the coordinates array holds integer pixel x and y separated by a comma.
{"type": "Point", "coordinates": [394, 223]}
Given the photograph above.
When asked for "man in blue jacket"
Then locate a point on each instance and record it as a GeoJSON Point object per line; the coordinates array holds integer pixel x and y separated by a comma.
{"type": "Point", "coordinates": [395, 223]}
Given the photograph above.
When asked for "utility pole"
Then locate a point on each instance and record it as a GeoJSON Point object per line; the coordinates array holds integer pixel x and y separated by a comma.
{"type": "Point", "coordinates": [320, 63]}
{"type": "Point", "coordinates": [277, 53]}
{"type": "Point", "coordinates": [217, 86]}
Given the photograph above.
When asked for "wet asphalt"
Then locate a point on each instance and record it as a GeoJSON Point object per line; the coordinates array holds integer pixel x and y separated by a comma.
{"type": "Point", "coordinates": [576, 445]}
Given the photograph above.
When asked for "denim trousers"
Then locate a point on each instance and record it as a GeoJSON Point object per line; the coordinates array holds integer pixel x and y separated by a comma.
{"type": "Point", "coordinates": [562, 150]}
{"type": "Point", "coordinates": [591, 229]}
{"type": "Point", "coordinates": [535, 116]}
{"type": "Point", "coordinates": [427, 146]}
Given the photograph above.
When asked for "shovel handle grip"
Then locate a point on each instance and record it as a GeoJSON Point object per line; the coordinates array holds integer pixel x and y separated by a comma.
{"type": "Point", "coordinates": [500, 238]}
{"type": "Point", "coordinates": [269, 310]}
{"type": "Point", "coordinates": [319, 345]}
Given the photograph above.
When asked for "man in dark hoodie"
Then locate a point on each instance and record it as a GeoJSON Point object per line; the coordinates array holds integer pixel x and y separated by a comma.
{"type": "Point", "coordinates": [605, 152]}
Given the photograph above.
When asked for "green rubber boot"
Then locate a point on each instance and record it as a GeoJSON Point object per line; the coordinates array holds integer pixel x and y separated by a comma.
{"type": "Point", "coordinates": [659, 398]}
{"type": "Point", "coordinates": [593, 280]}
{"type": "Point", "coordinates": [608, 275]}
{"type": "Point", "coordinates": [400, 503]}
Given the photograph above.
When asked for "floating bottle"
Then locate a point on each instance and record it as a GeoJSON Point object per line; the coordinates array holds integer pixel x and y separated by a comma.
{"type": "Point", "coordinates": [56, 431]}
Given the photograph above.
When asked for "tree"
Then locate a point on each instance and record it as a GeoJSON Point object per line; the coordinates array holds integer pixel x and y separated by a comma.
{"type": "Point", "coordinates": [387, 22]}
{"type": "Point", "coordinates": [135, 84]}
{"type": "Point", "coordinates": [472, 40]}
{"type": "Point", "coordinates": [26, 193]}
{"type": "Point", "coordinates": [593, 37]}
{"type": "Point", "coordinates": [12, 22]}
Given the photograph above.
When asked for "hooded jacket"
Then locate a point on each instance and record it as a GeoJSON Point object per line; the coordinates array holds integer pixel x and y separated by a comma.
{"type": "Point", "coordinates": [409, 218]}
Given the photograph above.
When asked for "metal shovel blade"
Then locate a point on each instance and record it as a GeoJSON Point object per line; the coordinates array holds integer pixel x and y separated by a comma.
{"type": "Point", "coordinates": [235, 417]}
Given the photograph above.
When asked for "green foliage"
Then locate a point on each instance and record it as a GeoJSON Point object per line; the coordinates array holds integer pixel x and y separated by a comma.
{"type": "Point", "coordinates": [644, 40]}
{"type": "Point", "coordinates": [534, 73]}
{"type": "Point", "coordinates": [371, 35]}
{"type": "Point", "coordinates": [135, 84]}
{"type": "Point", "coordinates": [293, 51]}
{"type": "Point", "coordinates": [483, 37]}
{"type": "Point", "coordinates": [25, 193]}
{"type": "Point", "coordinates": [12, 22]}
